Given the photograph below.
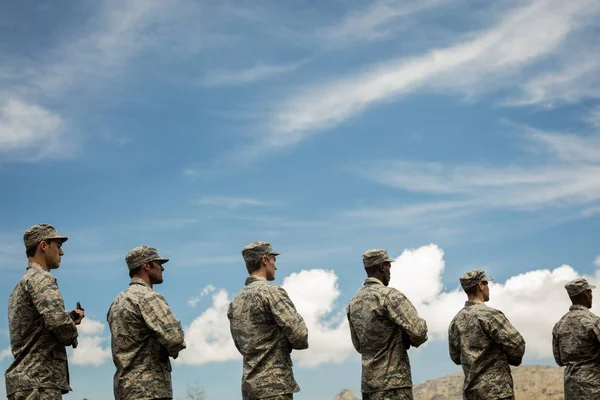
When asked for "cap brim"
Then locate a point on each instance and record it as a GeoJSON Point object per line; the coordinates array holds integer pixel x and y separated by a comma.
{"type": "Point", "coordinates": [61, 238]}
{"type": "Point", "coordinates": [161, 260]}
{"type": "Point", "coordinates": [487, 279]}
{"type": "Point", "coordinates": [389, 260]}
{"type": "Point", "coordinates": [590, 287]}
{"type": "Point", "coordinates": [274, 253]}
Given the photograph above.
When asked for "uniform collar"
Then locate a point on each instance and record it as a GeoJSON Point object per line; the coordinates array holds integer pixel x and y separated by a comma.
{"type": "Point", "coordinates": [138, 281]}
{"type": "Point", "coordinates": [252, 279]}
{"type": "Point", "coordinates": [474, 303]}
{"type": "Point", "coordinates": [373, 281]}
{"type": "Point", "coordinates": [579, 307]}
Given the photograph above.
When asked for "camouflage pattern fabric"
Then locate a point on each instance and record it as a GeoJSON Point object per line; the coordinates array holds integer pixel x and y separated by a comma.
{"type": "Point", "coordinates": [395, 394]}
{"type": "Point", "coordinates": [472, 278]}
{"type": "Point", "coordinates": [576, 345]}
{"type": "Point", "coordinates": [39, 232]}
{"type": "Point", "coordinates": [383, 324]}
{"type": "Point", "coordinates": [375, 257]}
{"type": "Point", "coordinates": [485, 343]}
{"type": "Point", "coordinates": [265, 327]}
{"type": "Point", "coordinates": [37, 394]}
{"type": "Point", "coordinates": [144, 334]}
{"type": "Point", "coordinates": [142, 254]}
{"type": "Point", "coordinates": [577, 286]}
{"type": "Point", "coordinates": [255, 250]}
{"type": "Point", "coordinates": [40, 328]}
{"type": "Point", "coordinates": [288, 396]}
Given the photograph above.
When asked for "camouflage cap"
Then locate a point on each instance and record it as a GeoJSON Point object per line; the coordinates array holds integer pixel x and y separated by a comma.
{"type": "Point", "coordinates": [472, 278]}
{"type": "Point", "coordinates": [375, 257]}
{"type": "Point", "coordinates": [255, 250]}
{"type": "Point", "coordinates": [577, 286]}
{"type": "Point", "coordinates": [141, 254]}
{"type": "Point", "coordinates": [39, 232]}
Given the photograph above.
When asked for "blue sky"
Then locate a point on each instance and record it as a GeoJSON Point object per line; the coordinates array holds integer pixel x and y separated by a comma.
{"type": "Point", "coordinates": [457, 135]}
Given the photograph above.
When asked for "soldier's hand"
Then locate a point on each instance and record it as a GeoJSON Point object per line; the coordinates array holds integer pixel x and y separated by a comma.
{"type": "Point", "coordinates": [80, 315]}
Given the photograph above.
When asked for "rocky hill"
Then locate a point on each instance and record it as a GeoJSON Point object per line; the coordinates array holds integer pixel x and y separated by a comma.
{"type": "Point", "coordinates": [531, 383]}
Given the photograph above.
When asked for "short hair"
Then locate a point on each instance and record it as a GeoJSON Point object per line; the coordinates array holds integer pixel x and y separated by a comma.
{"type": "Point", "coordinates": [253, 266]}
{"type": "Point", "coordinates": [472, 291]}
{"type": "Point", "coordinates": [578, 296]}
{"type": "Point", "coordinates": [134, 271]}
{"type": "Point", "coordinates": [32, 250]}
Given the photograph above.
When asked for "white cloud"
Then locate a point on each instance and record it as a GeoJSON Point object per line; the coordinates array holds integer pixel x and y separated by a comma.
{"type": "Point", "coordinates": [525, 36]}
{"type": "Point", "coordinates": [597, 262]}
{"type": "Point", "coordinates": [564, 175]}
{"type": "Point", "coordinates": [26, 126]}
{"type": "Point", "coordinates": [314, 293]}
{"type": "Point", "coordinates": [418, 274]}
{"type": "Point", "coordinates": [208, 338]}
{"type": "Point", "coordinates": [6, 353]}
{"type": "Point", "coordinates": [93, 347]}
{"type": "Point", "coordinates": [594, 117]}
{"type": "Point", "coordinates": [377, 21]}
{"type": "Point", "coordinates": [258, 72]}
{"type": "Point", "coordinates": [196, 299]}
{"type": "Point", "coordinates": [231, 202]}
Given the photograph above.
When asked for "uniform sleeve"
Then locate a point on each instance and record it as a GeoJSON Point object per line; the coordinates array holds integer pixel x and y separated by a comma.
{"type": "Point", "coordinates": [403, 313]}
{"type": "Point", "coordinates": [159, 318]}
{"type": "Point", "coordinates": [49, 303]}
{"type": "Point", "coordinates": [288, 319]}
{"type": "Point", "coordinates": [233, 336]}
{"type": "Point", "coordinates": [501, 331]}
{"type": "Point", "coordinates": [355, 341]}
{"type": "Point", "coordinates": [454, 343]}
{"type": "Point", "coordinates": [556, 346]}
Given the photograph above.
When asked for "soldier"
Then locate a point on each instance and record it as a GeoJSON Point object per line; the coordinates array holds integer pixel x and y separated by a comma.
{"type": "Point", "coordinates": [265, 327]}
{"type": "Point", "coordinates": [39, 325]}
{"type": "Point", "coordinates": [144, 331]}
{"type": "Point", "coordinates": [484, 342]}
{"type": "Point", "coordinates": [383, 326]}
{"type": "Point", "coordinates": [576, 343]}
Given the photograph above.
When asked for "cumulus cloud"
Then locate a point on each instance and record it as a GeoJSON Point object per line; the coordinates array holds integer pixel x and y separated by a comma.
{"type": "Point", "coordinates": [93, 346]}
{"type": "Point", "coordinates": [6, 353]}
{"type": "Point", "coordinates": [314, 293]}
{"type": "Point", "coordinates": [533, 301]}
{"type": "Point", "coordinates": [196, 299]}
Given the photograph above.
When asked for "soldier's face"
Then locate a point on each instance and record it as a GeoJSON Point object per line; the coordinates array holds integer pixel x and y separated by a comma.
{"type": "Point", "coordinates": [155, 273]}
{"type": "Point", "coordinates": [271, 267]}
{"type": "Point", "coordinates": [52, 253]}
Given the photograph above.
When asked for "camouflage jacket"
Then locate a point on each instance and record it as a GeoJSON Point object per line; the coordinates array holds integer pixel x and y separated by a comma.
{"type": "Point", "coordinates": [40, 328]}
{"type": "Point", "coordinates": [144, 334]}
{"type": "Point", "coordinates": [576, 345]}
{"type": "Point", "coordinates": [485, 343]}
{"type": "Point", "coordinates": [383, 324]}
{"type": "Point", "coordinates": [265, 327]}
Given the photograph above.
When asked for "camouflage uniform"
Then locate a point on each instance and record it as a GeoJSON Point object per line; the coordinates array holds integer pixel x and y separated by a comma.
{"type": "Point", "coordinates": [576, 345]}
{"type": "Point", "coordinates": [144, 334]}
{"type": "Point", "coordinates": [484, 342]}
{"type": "Point", "coordinates": [383, 325]}
{"type": "Point", "coordinates": [40, 328]}
{"type": "Point", "coordinates": [265, 327]}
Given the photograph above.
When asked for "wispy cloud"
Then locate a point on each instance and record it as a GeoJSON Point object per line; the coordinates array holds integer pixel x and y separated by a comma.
{"type": "Point", "coordinates": [490, 60]}
{"type": "Point", "coordinates": [258, 72]}
{"type": "Point", "coordinates": [377, 21]}
{"type": "Point", "coordinates": [232, 202]}
{"type": "Point", "coordinates": [564, 175]}
{"type": "Point", "coordinates": [594, 117]}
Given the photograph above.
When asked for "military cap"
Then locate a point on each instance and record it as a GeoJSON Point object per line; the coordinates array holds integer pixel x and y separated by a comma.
{"type": "Point", "coordinates": [255, 250]}
{"type": "Point", "coordinates": [577, 286]}
{"type": "Point", "coordinates": [472, 278]}
{"type": "Point", "coordinates": [141, 254]}
{"type": "Point", "coordinates": [375, 257]}
{"type": "Point", "coordinates": [39, 232]}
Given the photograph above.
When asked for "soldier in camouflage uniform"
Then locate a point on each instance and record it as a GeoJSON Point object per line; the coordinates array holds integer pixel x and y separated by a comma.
{"type": "Point", "coordinates": [383, 326]}
{"type": "Point", "coordinates": [265, 328]}
{"type": "Point", "coordinates": [576, 343]}
{"type": "Point", "coordinates": [39, 325]}
{"type": "Point", "coordinates": [144, 331]}
{"type": "Point", "coordinates": [484, 342]}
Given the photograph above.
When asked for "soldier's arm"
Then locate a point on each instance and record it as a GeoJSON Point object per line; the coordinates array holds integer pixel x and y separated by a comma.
{"type": "Point", "coordinates": [286, 317]}
{"type": "Point", "coordinates": [403, 313]}
{"type": "Point", "coordinates": [556, 346]}
{"type": "Point", "coordinates": [49, 303]}
{"type": "Point", "coordinates": [502, 332]}
{"type": "Point", "coordinates": [231, 329]}
{"type": "Point", "coordinates": [159, 318]}
{"type": "Point", "coordinates": [355, 341]}
{"type": "Point", "coordinates": [454, 343]}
